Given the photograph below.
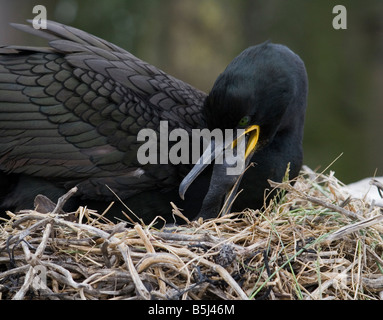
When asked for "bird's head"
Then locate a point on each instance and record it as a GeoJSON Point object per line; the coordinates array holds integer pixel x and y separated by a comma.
{"type": "Point", "coordinates": [262, 91]}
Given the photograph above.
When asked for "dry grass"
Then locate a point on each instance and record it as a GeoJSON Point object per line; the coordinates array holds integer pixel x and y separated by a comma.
{"type": "Point", "coordinates": [314, 243]}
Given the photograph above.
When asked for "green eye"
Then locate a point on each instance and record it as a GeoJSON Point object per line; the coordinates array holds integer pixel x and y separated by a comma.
{"type": "Point", "coordinates": [244, 121]}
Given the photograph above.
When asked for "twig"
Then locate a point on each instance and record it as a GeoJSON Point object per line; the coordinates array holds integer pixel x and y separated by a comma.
{"type": "Point", "coordinates": [26, 285]}
{"type": "Point", "coordinates": [149, 247]}
{"type": "Point", "coordinates": [215, 267]}
{"type": "Point", "coordinates": [288, 187]}
{"type": "Point", "coordinates": [63, 199]}
{"type": "Point", "coordinates": [140, 287]}
{"type": "Point", "coordinates": [342, 232]}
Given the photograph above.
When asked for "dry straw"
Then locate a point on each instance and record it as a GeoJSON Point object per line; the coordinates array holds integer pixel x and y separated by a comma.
{"type": "Point", "coordinates": [313, 242]}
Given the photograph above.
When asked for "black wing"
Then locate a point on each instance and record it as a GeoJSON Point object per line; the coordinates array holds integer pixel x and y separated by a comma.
{"type": "Point", "coordinates": [71, 112]}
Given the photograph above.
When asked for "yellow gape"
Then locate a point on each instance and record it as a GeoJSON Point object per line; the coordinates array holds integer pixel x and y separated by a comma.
{"type": "Point", "coordinates": [253, 139]}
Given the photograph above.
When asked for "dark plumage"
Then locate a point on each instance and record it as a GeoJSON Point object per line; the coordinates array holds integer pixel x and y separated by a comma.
{"type": "Point", "coordinates": [70, 115]}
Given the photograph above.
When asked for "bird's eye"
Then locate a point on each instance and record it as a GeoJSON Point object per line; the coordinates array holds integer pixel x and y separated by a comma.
{"type": "Point", "coordinates": [244, 121]}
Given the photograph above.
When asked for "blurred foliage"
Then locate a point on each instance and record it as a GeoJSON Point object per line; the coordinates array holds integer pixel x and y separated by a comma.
{"type": "Point", "coordinates": [194, 40]}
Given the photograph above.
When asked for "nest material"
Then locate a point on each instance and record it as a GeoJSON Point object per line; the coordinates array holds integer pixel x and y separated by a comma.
{"type": "Point", "coordinates": [312, 242]}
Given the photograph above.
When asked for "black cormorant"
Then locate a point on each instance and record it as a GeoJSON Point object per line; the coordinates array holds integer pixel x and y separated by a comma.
{"type": "Point", "coordinates": [70, 115]}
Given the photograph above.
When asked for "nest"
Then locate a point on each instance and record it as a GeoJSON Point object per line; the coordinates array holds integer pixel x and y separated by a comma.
{"type": "Point", "coordinates": [311, 242]}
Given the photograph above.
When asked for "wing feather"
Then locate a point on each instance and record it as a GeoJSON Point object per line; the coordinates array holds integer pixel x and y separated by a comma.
{"type": "Point", "coordinates": [71, 112]}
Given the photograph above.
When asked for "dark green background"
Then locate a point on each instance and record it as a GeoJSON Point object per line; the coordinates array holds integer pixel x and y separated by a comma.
{"type": "Point", "coordinates": [194, 40]}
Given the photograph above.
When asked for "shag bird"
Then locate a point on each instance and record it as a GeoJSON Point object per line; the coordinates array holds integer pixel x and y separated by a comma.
{"type": "Point", "coordinates": [71, 115]}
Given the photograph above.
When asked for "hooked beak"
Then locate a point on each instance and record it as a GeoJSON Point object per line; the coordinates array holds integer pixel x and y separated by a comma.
{"type": "Point", "coordinates": [251, 134]}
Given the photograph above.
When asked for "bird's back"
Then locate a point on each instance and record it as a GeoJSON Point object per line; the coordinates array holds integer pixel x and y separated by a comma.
{"type": "Point", "coordinates": [70, 114]}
